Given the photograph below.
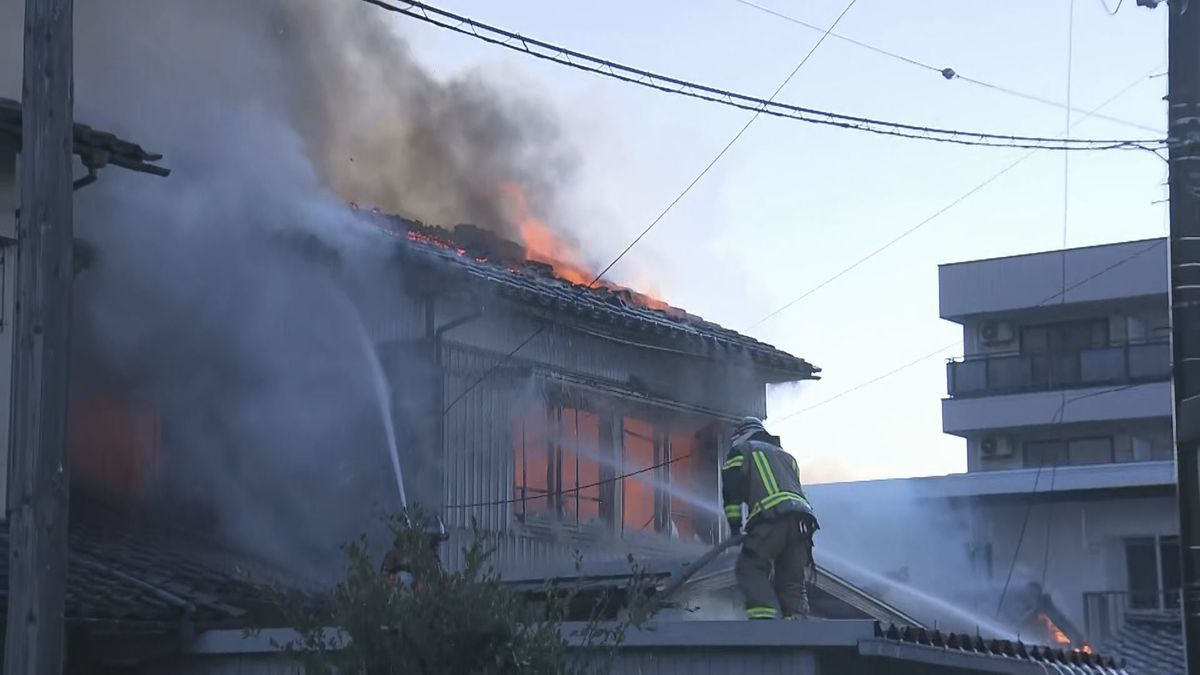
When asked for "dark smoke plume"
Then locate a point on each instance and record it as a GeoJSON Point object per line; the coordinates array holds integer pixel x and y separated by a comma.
{"type": "Point", "coordinates": [238, 296]}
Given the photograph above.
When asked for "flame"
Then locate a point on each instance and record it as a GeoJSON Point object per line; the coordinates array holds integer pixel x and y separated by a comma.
{"type": "Point", "coordinates": [542, 244]}
{"type": "Point", "coordinates": [1056, 633]}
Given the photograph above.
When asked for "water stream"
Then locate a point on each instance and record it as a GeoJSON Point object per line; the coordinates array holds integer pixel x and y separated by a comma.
{"type": "Point", "coordinates": [383, 396]}
{"type": "Point", "coordinates": [904, 597]}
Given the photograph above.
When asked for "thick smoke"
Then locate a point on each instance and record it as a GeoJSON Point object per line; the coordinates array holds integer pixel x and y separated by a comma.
{"type": "Point", "coordinates": [230, 295]}
{"type": "Point", "coordinates": [912, 551]}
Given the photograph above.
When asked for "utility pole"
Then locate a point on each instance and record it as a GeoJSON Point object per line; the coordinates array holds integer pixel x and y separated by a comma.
{"type": "Point", "coordinates": [1183, 133]}
{"type": "Point", "coordinates": [38, 480]}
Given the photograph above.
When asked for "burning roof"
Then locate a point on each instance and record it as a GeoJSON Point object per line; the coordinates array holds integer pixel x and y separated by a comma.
{"type": "Point", "coordinates": [509, 270]}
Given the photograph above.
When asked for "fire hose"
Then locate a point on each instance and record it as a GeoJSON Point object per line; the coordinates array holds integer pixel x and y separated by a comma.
{"type": "Point", "coordinates": [688, 571]}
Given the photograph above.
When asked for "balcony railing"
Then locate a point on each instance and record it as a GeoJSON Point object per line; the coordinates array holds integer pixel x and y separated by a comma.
{"type": "Point", "coordinates": [994, 374]}
{"type": "Point", "coordinates": [1107, 612]}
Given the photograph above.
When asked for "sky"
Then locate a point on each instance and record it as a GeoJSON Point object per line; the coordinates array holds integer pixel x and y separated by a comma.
{"type": "Point", "coordinates": [792, 204]}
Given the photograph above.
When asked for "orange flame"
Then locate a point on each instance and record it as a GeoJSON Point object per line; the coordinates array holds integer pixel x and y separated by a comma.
{"type": "Point", "coordinates": [542, 244]}
{"type": "Point", "coordinates": [1056, 633]}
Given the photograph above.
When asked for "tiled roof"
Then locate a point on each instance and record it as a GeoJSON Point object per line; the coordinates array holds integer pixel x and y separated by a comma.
{"type": "Point", "coordinates": [1151, 646]}
{"type": "Point", "coordinates": [1065, 661]}
{"type": "Point", "coordinates": [123, 570]}
{"type": "Point", "coordinates": [484, 257]}
{"type": "Point", "coordinates": [95, 148]}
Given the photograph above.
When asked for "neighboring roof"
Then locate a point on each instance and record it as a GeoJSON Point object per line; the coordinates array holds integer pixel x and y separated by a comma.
{"type": "Point", "coordinates": [959, 650]}
{"type": "Point", "coordinates": [616, 312]}
{"type": "Point", "coordinates": [128, 573]}
{"type": "Point", "coordinates": [96, 149]}
{"type": "Point", "coordinates": [1151, 645]}
{"type": "Point", "coordinates": [1142, 476]}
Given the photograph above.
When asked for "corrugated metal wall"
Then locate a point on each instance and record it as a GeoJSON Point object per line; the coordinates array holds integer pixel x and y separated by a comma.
{"type": "Point", "coordinates": [478, 440]}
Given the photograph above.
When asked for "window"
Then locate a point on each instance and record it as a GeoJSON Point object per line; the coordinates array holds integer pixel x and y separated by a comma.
{"type": "Point", "coordinates": [1074, 451]}
{"type": "Point", "coordinates": [558, 457]}
{"type": "Point", "coordinates": [568, 453]}
{"type": "Point", "coordinates": [1152, 565]}
{"type": "Point", "coordinates": [1068, 337]}
{"type": "Point", "coordinates": [1053, 349]}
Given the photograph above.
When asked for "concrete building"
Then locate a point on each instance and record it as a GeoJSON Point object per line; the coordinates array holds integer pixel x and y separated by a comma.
{"type": "Point", "coordinates": [1063, 396]}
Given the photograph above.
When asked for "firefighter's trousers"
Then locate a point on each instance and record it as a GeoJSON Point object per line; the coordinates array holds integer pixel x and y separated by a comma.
{"type": "Point", "coordinates": [780, 544]}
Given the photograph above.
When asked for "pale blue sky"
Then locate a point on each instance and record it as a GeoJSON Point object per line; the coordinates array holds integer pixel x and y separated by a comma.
{"type": "Point", "coordinates": [793, 203]}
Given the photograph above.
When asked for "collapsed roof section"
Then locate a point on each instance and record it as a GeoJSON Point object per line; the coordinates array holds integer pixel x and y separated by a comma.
{"type": "Point", "coordinates": [501, 267]}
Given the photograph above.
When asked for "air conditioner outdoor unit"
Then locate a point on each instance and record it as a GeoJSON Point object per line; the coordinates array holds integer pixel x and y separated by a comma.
{"type": "Point", "coordinates": [997, 332]}
{"type": "Point", "coordinates": [996, 446]}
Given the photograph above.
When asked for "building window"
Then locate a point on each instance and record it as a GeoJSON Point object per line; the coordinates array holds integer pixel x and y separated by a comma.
{"type": "Point", "coordinates": [567, 457]}
{"type": "Point", "coordinates": [1152, 564]}
{"type": "Point", "coordinates": [1074, 451]}
{"type": "Point", "coordinates": [558, 458]}
{"type": "Point", "coordinates": [1053, 349]}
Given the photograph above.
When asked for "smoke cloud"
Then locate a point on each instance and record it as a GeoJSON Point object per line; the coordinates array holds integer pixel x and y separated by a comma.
{"type": "Point", "coordinates": [231, 296]}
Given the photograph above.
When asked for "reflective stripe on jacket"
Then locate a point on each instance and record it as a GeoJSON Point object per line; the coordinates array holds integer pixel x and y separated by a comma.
{"type": "Point", "coordinates": [766, 479]}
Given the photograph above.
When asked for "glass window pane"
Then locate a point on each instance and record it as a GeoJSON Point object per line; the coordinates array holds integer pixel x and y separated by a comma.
{"type": "Point", "coordinates": [1171, 578]}
{"type": "Point", "coordinates": [531, 452]}
{"type": "Point", "coordinates": [638, 491]}
{"type": "Point", "coordinates": [1045, 453]}
{"type": "Point", "coordinates": [1091, 451]}
{"type": "Point", "coordinates": [1141, 564]}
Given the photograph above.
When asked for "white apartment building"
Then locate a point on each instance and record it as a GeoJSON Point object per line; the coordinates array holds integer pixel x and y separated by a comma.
{"type": "Point", "coordinates": [1063, 396]}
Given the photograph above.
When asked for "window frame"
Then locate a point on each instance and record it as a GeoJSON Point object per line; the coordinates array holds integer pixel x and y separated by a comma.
{"type": "Point", "coordinates": [611, 411]}
{"type": "Point", "coordinates": [1166, 599]}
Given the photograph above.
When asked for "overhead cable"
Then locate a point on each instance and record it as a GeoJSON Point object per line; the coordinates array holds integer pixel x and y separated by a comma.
{"type": "Point", "coordinates": [1057, 294]}
{"type": "Point", "coordinates": [703, 172]}
{"type": "Point", "coordinates": [945, 72]}
{"type": "Point", "coordinates": [574, 59]}
{"type": "Point", "coordinates": [932, 217]}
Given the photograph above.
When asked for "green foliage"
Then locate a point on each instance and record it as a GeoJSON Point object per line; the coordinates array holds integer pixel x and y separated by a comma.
{"type": "Point", "coordinates": [462, 621]}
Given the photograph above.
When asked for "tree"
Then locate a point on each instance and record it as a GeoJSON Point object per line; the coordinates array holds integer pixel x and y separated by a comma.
{"type": "Point", "coordinates": [429, 620]}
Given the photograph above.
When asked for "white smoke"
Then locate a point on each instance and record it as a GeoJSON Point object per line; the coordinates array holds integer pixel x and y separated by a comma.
{"type": "Point", "coordinates": [229, 296]}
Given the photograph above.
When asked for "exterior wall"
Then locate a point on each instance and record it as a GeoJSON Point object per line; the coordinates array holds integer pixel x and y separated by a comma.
{"type": "Point", "coordinates": [1148, 315]}
{"type": "Point", "coordinates": [1132, 441]}
{"type": "Point", "coordinates": [1098, 273]}
{"type": "Point", "coordinates": [732, 387]}
{"type": "Point", "coordinates": [1086, 542]}
{"type": "Point", "coordinates": [966, 416]}
{"type": "Point", "coordinates": [466, 456]}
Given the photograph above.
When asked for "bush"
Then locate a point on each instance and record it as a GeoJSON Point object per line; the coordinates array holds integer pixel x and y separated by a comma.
{"type": "Point", "coordinates": [437, 621]}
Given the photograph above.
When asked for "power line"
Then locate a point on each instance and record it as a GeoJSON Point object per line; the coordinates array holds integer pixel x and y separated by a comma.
{"type": "Point", "coordinates": [567, 57]}
{"type": "Point", "coordinates": [538, 331]}
{"type": "Point", "coordinates": [868, 383]}
{"type": "Point", "coordinates": [934, 216]}
{"type": "Point", "coordinates": [1012, 566]}
{"type": "Point", "coordinates": [500, 502]}
{"type": "Point", "coordinates": [1112, 12]}
{"type": "Point", "coordinates": [944, 72]}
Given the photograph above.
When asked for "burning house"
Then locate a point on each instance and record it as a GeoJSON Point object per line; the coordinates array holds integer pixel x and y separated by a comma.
{"type": "Point", "coordinates": [563, 417]}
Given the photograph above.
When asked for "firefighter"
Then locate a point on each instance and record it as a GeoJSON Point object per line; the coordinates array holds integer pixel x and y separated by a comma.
{"type": "Point", "coordinates": [780, 527]}
{"type": "Point", "coordinates": [415, 553]}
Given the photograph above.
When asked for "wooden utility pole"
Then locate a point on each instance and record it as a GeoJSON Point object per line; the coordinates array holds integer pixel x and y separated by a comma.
{"type": "Point", "coordinates": [1183, 132]}
{"type": "Point", "coordinates": [38, 480]}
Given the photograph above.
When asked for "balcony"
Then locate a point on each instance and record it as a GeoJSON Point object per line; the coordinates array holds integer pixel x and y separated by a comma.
{"type": "Point", "coordinates": [1000, 374]}
{"type": "Point", "coordinates": [1112, 617]}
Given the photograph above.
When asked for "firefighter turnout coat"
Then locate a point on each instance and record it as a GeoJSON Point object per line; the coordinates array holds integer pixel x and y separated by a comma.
{"type": "Point", "coordinates": [761, 475]}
